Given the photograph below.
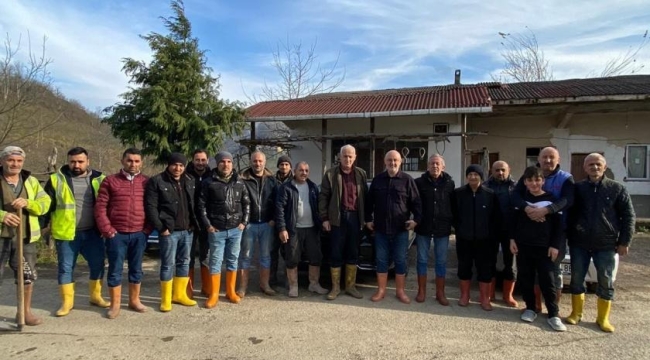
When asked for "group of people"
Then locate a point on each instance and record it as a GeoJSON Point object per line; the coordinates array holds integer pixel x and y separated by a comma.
{"type": "Point", "coordinates": [225, 215]}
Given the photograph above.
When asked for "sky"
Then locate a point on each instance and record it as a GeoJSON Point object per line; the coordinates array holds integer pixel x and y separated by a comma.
{"type": "Point", "coordinates": [379, 44]}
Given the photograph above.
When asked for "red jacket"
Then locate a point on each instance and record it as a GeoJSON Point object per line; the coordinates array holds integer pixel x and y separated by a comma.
{"type": "Point", "coordinates": [120, 205]}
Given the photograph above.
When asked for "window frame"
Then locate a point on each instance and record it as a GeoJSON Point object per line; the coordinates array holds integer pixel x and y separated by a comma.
{"type": "Point", "coordinates": [647, 162]}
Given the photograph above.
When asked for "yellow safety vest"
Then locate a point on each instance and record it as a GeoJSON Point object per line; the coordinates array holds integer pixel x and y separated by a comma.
{"type": "Point", "coordinates": [38, 203]}
{"type": "Point", "coordinates": [64, 217]}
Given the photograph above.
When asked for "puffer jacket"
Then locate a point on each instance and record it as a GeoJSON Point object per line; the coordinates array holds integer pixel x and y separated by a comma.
{"type": "Point", "coordinates": [286, 207]}
{"type": "Point", "coordinates": [261, 195]}
{"type": "Point", "coordinates": [436, 197]}
{"type": "Point", "coordinates": [477, 216]}
{"type": "Point", "coordinates": [161, 201]}
{"type": "Point", "coordinates": [223, 205]}
{"type": "Point", "coordinates": [602, 216]}
{"type": "Point", "coordinates": [120, 205]}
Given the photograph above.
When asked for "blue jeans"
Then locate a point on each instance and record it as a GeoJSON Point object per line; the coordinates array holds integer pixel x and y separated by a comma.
{"type": "Point", "coordinates": [224, 242]}
{"type": "Point", "coordinates": [604, 262]}
{"type": "Point", "coordinates": [90, 245]}
{"type": "Point", "coordinates": [440, 246]}
{"type": "Point", "coordinates": [175, 253]}
{"type": "Point", "coordinates": [261, 233]}
{"type": "Point", "coordinates": [391, 247]}
{"type": "Point", "coordinates": [129, 246]}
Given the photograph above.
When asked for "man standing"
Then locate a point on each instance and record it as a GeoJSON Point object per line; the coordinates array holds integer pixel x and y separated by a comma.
{"type": "Point", "coordinates": [223, 209]}
{"type": "Point", "coordinates": [436, 188]}
{"type": "Point", "coordinates": [261, 185]}
{"type": "Point", "coordinates": [199, 170]}
{"type": "Point", "coordinates": [73, 190]}
{"type": "Point", "coordinates": [601, 224]}
{"type": "Point", "coordinates": [502, 184]}
{"type": "Point", "coordinates": [476, 220]}
{"type": "Point", "coordinates": [341, 208]}
{"type": "Point", "coordinates": [560, 184]}
{"type": "Point", "coordinates": [297, 222]}
{"type": "Point", "coordinates": [20, 191]}
{"type": "Point", "coordinates": [120, 217]}
{"type": "Point", "coordinates": [169, 206]}
{"type": "Point", "coordinates": [393, 208]}
{"type": "Point", "coordinates": [283, 175]}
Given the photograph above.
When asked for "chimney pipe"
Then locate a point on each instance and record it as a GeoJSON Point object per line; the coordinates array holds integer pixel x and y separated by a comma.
{"type": "Point", "coordinates": [457, 77]}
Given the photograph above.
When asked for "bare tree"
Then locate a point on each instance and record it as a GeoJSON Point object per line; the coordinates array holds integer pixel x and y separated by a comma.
{"type": "Point", "coordinates": [626, 63]}
{"type": "Point", "coordinates": [23, 86]}
{"type": "Point", "coordinates": [524, 60]}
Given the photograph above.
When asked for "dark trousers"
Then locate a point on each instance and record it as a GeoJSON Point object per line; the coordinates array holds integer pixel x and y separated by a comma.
{"type": "Point", "coordinates": [305, 240]}
{"type": "Point", "coordinates": [276, 250]}
{"type": "Point", "coordinates": [129, 246]}
{"type": "Point", "coordinates": [475, 253]}
{"type": "Point", "coordinates": [533, 261]}
{"type": "Point", "coordinates": [344, 240]}
{"type": "Point", "coordinates": [200, 242]}
{"type": "Point", "coordinates": [9, 253]}
{"type": "Point", "coordinates": [508, 258]}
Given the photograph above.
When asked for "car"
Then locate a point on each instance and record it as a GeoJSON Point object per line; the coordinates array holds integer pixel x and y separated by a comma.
{"type": "Point", "coordinates": [591, 279]}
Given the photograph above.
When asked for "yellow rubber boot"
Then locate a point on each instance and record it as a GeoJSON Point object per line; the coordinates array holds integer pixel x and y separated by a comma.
{"type": "Point", "coordinates": [166, 296]}
{"type": "Point", "coordinates": [577, 304]}
{"type": "Point", "coordinates": [604, 306]}
{"type": "Point", "coordinates": [67, 299]}
{"type": "Point", "coordinates": [95, 291]}
{"type": "Point", "coordinates": [179, 295]}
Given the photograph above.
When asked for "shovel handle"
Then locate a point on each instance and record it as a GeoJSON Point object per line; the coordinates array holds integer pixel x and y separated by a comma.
{"type": "Point", "coordinates": [20, 282]}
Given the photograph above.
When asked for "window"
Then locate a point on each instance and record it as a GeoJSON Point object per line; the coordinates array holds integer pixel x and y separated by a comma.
{"type": "Point", "coordinates": [414, 153]}
{"type": "Point", "coordinates": [532, 154]}
{"type": "Point", "coordinates": [637, 159]}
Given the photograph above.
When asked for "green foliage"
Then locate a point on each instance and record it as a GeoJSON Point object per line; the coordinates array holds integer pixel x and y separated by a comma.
{"type": "Point", "coordinates": [174, 105]}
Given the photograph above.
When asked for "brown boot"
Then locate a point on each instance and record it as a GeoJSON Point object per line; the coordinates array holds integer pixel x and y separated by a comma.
{"type": "Point", "coordinates": [134, 298]}
{"type": "Point", "coordinates": [422, 288]}
{"type": "Point", "coordinates": [231, 280]}
{"type": "Point", "coordinates": [484, 295]}
{"type": "Point", "coordinates": [508, 289]}
{"type": "Point", "coordinates": [464, 292]}
{"type": "Point", "coordinates": [205, 281]}
{"type": "Point", "coordinates": [215, 284]}
{"type": "Point", "coordinates": [190, 285]}
{"type": "Point", "coordinates": [115, 293]}
{"type": "Point", "coordinates": [382, 279]}
{"type": "Point", "coordinates": [493, 289]}
{"type": "Point", "coordinates": [265, 274]}
{"type": "Point", "coordinates": [400, 284]}
{"type": "Point", "coordinates": [351, 281]}
{"type": "Point", "coordinates": [30, 319]}
{"type": "Point", "coordinates": [292, 279]}
{"type": "Point", "coordinates": [335, 273]}
{"type": "Point", "coordinates": [242, 275]}
{"type": "Point", "coordinates": [440, 291]}
{"type": "Point", "coordinates": [538, 299]}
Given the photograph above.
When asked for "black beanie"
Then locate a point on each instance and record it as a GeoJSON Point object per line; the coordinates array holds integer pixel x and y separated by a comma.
{"type": "Point", "coordinates": [223, 155]}
{"type": "Point", "coordinates": [176, 158]}
{"type": "Point", "coordinates": [475, 168]}
{"type": "Point", "coordinates": [284, 158]}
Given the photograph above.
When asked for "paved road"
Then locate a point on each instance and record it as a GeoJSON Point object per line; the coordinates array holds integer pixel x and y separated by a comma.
{"type": "Point", "coordinates": [310, 327]}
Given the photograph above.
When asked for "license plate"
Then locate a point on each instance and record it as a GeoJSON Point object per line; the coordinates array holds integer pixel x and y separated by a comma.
{"type": "Point", "coordinates": [566, 269]}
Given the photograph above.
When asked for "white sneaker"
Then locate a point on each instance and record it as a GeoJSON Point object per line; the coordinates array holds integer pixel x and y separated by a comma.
{"type": "Point", "coordinates": [529, 316]}
{"type": "Point", "coordinates": [556, 324]}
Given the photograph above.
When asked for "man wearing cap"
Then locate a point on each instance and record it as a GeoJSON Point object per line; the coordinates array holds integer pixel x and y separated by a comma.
{"type": "Point", "coordinates": [120, 217]}
{"type": "Point", "coordinates": [477, 218]}
{"type": "Point", "coordinates": [223, 209]}
{"type": "Point", "coordinates": [261, 185]}
{"type": "Point", "coordinates": [198, 169]}
{"type": "Point", "coordinates": [20, 192]}
{"type": "Point", "coordinates": [341, 208]}
{"type": "Point", "coordinates": [73, 190]}
{"type": "Point", "coordinates": [283, 175]}
{"type": "Point", "coordinates": [169, 206]}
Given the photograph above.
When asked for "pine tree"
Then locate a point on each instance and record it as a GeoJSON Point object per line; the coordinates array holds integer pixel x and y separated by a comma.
{"type": "Point", "coordinates": [173, 104]}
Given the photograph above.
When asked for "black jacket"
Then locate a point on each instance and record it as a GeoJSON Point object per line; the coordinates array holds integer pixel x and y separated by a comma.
{"type": "Point", "coordinates": [223, 205]}
{"type": "Point", "coordinates": [286, 206]}
{"type": "Point", "coordinates": [161, 201]}
{"type": "Point", "coordinates": [602, 216]}
{"type": "Point", "coordinates": [198, 179]}
{"type": "Point", "coordinates": [477, 216]}
{"type": "Point", "coordinates": [391, 201]}
{"type": "Point", "coordinates": [534, 233]}
{"type": "Point", "coordinates": [436, 196]}
{"type": "Point", "coordinates": [503, 191]}
{"type": "Point", "coordinates": [261, 194]}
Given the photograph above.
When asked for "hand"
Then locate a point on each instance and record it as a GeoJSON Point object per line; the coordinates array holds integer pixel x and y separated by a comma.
{"type": "Point", "coordinates": [110, 235]}
{"type": "Point", "coordinates": [241, 227]}
{"type": "Point", "coordinates": [45, 231]}
{"type": "Point", "coordinates": [552, 253]}
{"type": "Point", "coordinates": [211, 229]}
{"type": "Point", "coordinates": [410, 225]}
{"type": "Point", "coordinates": [327, 226]}
{"type": "Point", "coordinates": [371, 226]}
{"type": "Point", "coordinates": [622, 250]}
{"type": "Point", "coordinates": [513, 247]}
{"type": "Point", "coordinates": [11, 220]}
{"type": "Point", "coordinates": [284, 236]}
{"type": "Point", "coordinates": [19, 203]}
{"type": "Point", "coordinates": [536, 214]}
{"type": "Point", "coordinates": [165, 233]}
{"type": "Point", "coordinates": [271, 223]}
